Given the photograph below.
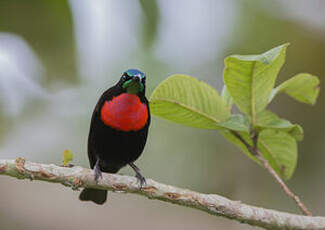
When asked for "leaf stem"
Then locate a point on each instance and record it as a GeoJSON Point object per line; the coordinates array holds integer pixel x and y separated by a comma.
{"type": "Point", "coordinates": [255, 152]}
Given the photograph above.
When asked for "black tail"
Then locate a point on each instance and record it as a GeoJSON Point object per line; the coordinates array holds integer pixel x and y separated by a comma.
{"type": "Point", "coordinates": [95, 195]}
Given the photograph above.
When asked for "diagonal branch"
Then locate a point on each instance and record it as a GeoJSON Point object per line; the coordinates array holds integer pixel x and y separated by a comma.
{"type": "Point", "coordinates": [256, 152]}
{"type": "Point", "coordinates": [76, 177]}
{"type": "Point", "coordinates": [286, 189]}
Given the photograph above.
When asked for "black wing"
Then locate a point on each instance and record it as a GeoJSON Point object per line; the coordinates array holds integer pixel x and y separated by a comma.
{"type": "Point", "coordinates": [107, 95]}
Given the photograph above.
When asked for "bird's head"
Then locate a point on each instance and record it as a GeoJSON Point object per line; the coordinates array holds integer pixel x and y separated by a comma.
{"type": "Point", "coordinates": [133, 81]}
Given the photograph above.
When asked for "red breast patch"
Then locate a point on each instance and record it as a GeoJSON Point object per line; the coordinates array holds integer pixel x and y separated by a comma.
{"type": "Point", "coordinates": [125, 112]}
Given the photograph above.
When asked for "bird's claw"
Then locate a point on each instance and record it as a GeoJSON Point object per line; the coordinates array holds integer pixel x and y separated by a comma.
{"type": "Point", "coordinates": [138, 175]}
{"type": "Point", "coordinates": [140, 179]}
{"type": "Point", "coordinates": [98, 174]}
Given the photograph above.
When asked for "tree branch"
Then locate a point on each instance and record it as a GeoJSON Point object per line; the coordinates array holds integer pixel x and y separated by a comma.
{"type": "Point", "coordinates": [285, 188]}
{"type": "Point", "coordinates": [76, 177]}
{"type": "Point", "coordinates": [256, 152]}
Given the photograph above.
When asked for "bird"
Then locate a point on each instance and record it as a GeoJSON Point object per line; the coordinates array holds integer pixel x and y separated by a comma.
{"type": "Point", "coordinates": [118, 131]}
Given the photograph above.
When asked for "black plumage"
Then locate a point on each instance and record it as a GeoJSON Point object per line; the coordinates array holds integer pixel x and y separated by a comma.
{"type": "Point", "coordinates": [110, 149]}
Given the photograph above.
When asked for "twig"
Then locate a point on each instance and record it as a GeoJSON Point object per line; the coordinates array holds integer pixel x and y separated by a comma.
{"type": "Point", "coordinates": [255, 151]}
{"type": "Point", "coordinates": [76, 177]}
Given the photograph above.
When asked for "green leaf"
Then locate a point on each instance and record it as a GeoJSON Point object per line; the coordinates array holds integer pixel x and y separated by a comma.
{"type": "Point", "coordinates": [268, 120]}
{"type": "Point", "coordinates": [297, 132]}
{"type": "Point", "coordinates": [67, 157]}
{"type": "Point", "coordinates": [251, 78]}
{"type": "Point", "coordinates": [303, 87]}
{"type": "Point", "coordinates": [280, 149]}
{"type": "Point", "coordinates": [236, 122]}
{"type": "Point", "coordinates": [277, 147]}
{"type": "Point", "coordinates": [188, 101]}
{"type": "Point", "coordinates": [226, 97]}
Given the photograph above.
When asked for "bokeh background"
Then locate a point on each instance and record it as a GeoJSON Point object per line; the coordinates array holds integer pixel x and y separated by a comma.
{"type": "Point", "coordinates": [57, 57]}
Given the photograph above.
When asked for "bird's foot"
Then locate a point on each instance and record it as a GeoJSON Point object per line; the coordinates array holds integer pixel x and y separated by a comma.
{"type": "Point", "coordinates": [97, 172]}
{"type": "Point", "coordinates": [140, 179]}
{"type": "Point", "coordinates": [138, 175]}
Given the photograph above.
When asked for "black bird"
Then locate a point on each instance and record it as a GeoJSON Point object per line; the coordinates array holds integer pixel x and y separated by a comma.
{"type": "Point", "coordinates": [118, 130]}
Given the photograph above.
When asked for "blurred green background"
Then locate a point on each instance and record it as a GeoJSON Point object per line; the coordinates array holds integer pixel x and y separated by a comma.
{"type": "Point", "coordinates": [57, 57]}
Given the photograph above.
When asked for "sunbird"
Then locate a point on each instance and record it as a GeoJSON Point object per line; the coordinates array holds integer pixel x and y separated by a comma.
{"type": "Point", "coordinates": [118, 130]}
